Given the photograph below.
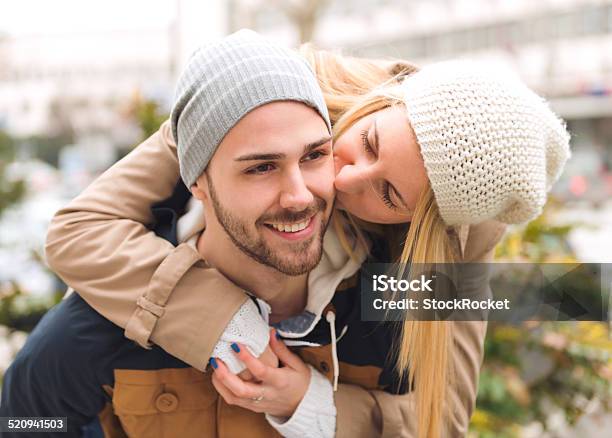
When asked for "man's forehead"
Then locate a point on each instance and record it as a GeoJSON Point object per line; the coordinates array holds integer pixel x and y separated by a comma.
{"type": "Point", "coordinates": [284, 127]}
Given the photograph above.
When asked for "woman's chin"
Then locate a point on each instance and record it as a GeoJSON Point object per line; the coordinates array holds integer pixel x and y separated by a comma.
{"type": "Point", "coordinates": [347, 208]}
{"type": "Point", "coordinates": [339, 205]}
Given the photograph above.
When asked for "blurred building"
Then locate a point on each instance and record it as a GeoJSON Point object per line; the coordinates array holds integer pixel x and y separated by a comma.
{"type": "Point", "coordinates": [87, 77]}
{"type": "Point", "coordinates": [560, 48]}
{"type": "Point", "coordinates": [81, 80]}
{"type": "Point", "coordinates": [84, 80]}
{"type": "Point", "coordinates": [78, 78]}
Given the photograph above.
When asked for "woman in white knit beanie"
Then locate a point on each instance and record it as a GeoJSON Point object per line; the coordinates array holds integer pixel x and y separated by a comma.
{"type": "Point", "coordinates": [451, 145]}
{"type": "Point", "coordinates": [486, 146]}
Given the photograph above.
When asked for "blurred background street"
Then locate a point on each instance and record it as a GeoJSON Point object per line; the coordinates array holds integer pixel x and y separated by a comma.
{"type": "Point", "coordinates": [81, 83]}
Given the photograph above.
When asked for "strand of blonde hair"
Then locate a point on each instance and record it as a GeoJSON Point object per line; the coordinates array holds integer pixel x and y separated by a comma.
{"type": "Point", "coordinates": [354, 88]}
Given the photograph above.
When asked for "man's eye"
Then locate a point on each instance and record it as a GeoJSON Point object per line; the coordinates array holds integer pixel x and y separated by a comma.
{"type": "Point", "coordinates": [314, 155]}
{"type": "Point", "coordinates": [262, 168]}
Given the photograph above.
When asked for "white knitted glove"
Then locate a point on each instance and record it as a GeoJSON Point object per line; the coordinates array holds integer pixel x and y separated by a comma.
{"type": "Point", "coordinates": [247, 327]}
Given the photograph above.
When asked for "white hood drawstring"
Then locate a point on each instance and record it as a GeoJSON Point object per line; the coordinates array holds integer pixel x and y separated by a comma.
{"type": "Point", "coordinates": [331, 319]}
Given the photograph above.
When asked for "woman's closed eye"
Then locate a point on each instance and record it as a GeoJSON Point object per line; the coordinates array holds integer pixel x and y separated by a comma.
{"type": "Point", "coordinates": [366, 142]}
{"type": "Point", "coordinates": [385, 191]}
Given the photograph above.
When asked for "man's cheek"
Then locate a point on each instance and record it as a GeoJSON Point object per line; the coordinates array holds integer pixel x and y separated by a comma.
{"type": "Point", "coordinates": [326, 180]}
{"type": "Point", "coordinates": [325, 191]}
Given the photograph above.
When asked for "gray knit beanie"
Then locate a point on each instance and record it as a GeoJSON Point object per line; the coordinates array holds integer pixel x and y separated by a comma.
{"type": "Point", "coordinates": [492, 148]}
{"type": "Point", "coordinates": [226, 79]}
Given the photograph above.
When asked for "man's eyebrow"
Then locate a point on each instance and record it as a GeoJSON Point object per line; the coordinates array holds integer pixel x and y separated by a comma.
{"type": "Point", "coordinates": [260, 157]}
{"type": "Point", "coordinates": [279, 156]}
{"type": "Point", "coordinates": [315, 144]}
{"type": "Point", "coordinates": [377, 148]}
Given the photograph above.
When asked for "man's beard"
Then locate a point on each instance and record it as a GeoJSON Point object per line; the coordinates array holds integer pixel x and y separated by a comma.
{"type": "Point", "coordinates": [256, 247]}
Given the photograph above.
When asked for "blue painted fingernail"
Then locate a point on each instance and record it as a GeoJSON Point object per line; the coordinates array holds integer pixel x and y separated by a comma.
{"type": "Point", "coordinates": [278, 336]}
{"type": "Point", "coordinates": [213, 363]}
{"type": "Point", "coordinates": [235, 347]}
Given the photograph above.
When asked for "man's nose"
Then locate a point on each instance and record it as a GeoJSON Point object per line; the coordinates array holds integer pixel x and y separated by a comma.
{"type": "Point", "coordinates": [295, 194]}
{"type": "Point", "coordinates": [353, 178]}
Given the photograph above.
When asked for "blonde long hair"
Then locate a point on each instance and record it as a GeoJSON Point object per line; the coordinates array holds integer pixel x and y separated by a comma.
{"type": "Point", "coordinates": [354, 88]}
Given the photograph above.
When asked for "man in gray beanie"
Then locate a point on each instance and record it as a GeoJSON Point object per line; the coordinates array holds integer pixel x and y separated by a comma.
{"type": "Point", "coordinates": [254, 147]}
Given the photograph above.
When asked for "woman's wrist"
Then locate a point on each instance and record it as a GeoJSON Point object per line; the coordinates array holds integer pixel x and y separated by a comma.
{"type": "Point", "coordinates": [314, 416]}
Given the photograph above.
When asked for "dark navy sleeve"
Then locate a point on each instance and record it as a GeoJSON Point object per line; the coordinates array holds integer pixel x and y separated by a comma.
{"type": "Point", "coordinates": [56, 374]}
{"type": "Point", "coordinates": [166, 213]}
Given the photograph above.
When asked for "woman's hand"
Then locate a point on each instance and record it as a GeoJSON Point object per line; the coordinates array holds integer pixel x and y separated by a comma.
{"type": "Point", "coordinates": [278, 391]}
{"type": "Point", "coordinates": [267, 358]}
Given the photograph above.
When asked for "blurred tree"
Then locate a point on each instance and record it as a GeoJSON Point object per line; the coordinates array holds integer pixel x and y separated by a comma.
{"type": "Point", "coordinates": [147, 114]}
{"type": "Point", "coordinates": [21, 311]}
{"type": "Point", "coordinates": [303, 14]}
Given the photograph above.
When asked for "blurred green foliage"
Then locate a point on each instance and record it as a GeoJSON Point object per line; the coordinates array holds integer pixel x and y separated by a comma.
{"type": "Point", "coordinates": [148, 115]}
{"type": "Point", "coordinates": [21, 311]}
{"type": "Point", "coordinates": [534, 368]}
{"type": "Point", "coordinates": [18, 310]}
{"type": "Point", "coordinates": [539, 241]}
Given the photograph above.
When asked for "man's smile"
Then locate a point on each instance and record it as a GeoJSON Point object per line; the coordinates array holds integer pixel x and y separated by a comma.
{"type": "Point", "coordinates": [293, 231]}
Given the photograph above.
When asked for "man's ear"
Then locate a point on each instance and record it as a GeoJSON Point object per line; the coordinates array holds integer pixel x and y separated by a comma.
{"type": "Point", "coordinates": [200, 189]}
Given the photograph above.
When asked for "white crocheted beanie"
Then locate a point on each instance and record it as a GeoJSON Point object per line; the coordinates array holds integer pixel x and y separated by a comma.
{"type": "Point", "coordinates": [492, 148]}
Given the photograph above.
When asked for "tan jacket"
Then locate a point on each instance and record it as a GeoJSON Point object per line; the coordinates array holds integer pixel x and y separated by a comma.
{"type": "Point", "coordinates": [100, 246]}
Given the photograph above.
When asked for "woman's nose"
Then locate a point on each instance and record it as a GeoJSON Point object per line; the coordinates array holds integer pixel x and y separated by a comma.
{"type": "Point", "coordinates": [339, 163]}
{"type": "Point", "coordinates": [352, 178]}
